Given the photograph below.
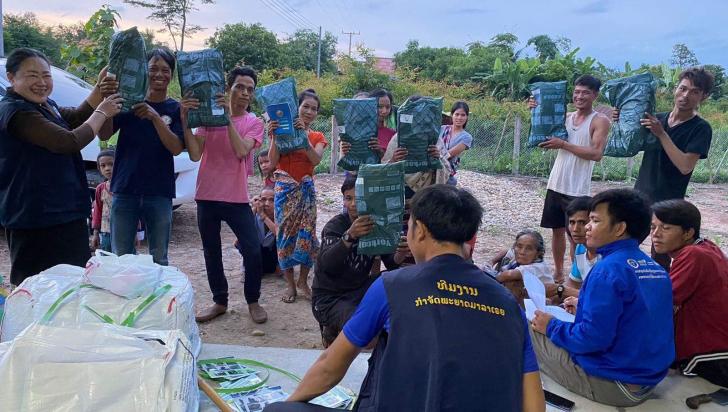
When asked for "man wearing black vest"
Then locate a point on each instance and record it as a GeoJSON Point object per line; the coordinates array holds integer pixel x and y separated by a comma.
{"type": "Point", "coordinates": [449, 337]}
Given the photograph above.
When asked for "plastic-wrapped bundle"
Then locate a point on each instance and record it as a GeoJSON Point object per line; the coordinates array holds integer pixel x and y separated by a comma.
{"type": "Point", "coordinates": [357, 121]}
{"type": "Point", "coordinates": [379, 193]}
{"type": "Point", "coordinates": [63, 296]}
{"type": "Point", "coordinates": [201, 75]}
{"type": "Point", "coordinates": [98, 368]}
{"type": "Point", "coordinates": [633, 96]}
{"type": "Point", "coordinates": [548, 118]}
{"type": "Point", "coordinates": [128, 62]}
{"type": "Point", "coordinates": [288, 138]}
{"type": "Point", "coordinates": [419, 127]}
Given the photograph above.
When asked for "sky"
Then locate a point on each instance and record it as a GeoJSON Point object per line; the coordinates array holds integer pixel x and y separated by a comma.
{"type": "Point", "coordinates": [638, 31]}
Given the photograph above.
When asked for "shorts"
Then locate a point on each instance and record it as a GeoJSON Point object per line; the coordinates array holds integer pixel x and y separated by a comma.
{"type": "Point", "coordinates": [554, 210]}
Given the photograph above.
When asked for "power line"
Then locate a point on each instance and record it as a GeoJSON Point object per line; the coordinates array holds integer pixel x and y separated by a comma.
{"type": "Point", "coordinates": [298, 24]}
{"type": "Point", "coordinates": [295, 13]}
{"type": "Point", "coordinates": [350, 34]}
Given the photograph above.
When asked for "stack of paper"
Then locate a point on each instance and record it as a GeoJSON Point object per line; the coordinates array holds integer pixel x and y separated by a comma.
{"type": "Point", "coordinates": [537, 294]}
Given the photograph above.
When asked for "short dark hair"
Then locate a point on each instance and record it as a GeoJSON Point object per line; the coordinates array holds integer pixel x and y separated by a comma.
{"type": "Point", "coordinates": [678, 212]}
{"type": "Point", "coordinates": [349, 183]}
{"type": "Point", "coordinates": [309, 94]}
{"type": "Point", "coordinates": [19, 55]}
{"type": "Point", "coordinates": [579, 204]}
{"type": "Point", "coordinates": [461, 105]}
{"type": "Point", "coordinates": [164, 54]}
{"type": "Point", "coordinates": [241, 71]}
{"type": "Point", "coordinates": [450, 214]}
{"type": "Point", "coordinates": [628, 206]}
{"type": "Point", "coordinates": [700, 78]}
{"type": "Point", "coordinates": [589, 81]}
{"type": "Point", "coordinates": [263, 152]}
{"type": "Point", "coordinates": [106, 153]}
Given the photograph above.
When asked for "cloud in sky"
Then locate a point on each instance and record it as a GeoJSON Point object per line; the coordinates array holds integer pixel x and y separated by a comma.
{"type": "Point", "coordinates": [611, 31]}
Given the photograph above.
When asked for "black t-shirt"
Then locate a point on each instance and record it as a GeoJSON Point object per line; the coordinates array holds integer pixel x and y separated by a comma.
{"type": "Point", "coordinates": [659, 178]}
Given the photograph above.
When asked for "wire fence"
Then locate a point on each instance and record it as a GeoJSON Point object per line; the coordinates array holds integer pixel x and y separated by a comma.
{"type": "Point", "coordinates": [500, 146]}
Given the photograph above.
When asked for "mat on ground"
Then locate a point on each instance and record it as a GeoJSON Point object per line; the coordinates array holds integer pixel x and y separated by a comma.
{"type": "Point", "coordinates": [97, 368]}
{"type": "Point", "coordinates": [66, 296]}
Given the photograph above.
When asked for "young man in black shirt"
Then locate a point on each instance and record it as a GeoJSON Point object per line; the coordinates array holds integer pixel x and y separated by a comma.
{"type": "Point", "coordinates": [342, 276]}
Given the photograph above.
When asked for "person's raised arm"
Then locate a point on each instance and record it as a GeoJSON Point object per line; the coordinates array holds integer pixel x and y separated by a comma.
{"type": "Point", "coordinates": [195, 143]}
{"type": "Point", "coordinates": [273, 154]}
{"type": "Point", "coordinates": [684, 162]}
{"type": "Point", "coordinates": [458, 149]}
{"type": "Point", "coordinates": [533, 396]}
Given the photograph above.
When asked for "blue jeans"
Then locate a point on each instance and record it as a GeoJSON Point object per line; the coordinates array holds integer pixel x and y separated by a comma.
{"type": "Point", "coordinates": [105, 241]}
{"type": "Point", "coordinates": [127, 210]}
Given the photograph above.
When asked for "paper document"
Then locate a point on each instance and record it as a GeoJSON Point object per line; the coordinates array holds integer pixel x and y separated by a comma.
{"type": "Point", "coordinates": [537, 294]}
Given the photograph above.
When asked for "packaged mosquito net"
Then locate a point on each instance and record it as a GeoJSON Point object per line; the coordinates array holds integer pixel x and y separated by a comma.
{"type": "Point", "coordinates": [419, 127]}
{"type": "Point", "coordinates": [201, 76]}
{"type": "Point", "coordinates": [357, 123]}
{"type": "Point", "coordinates": [281, 104]}
{"type": "Point", "coordinates": [128, 62]}
{"type": "Point", "coordinates": [548, 118]}
{"type": "Point", "coordinates": [379, 193]}
{"type": "Point", "coordinates": [633, 96]}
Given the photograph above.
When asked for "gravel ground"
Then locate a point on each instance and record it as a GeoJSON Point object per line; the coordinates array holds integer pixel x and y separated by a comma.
{"type": "Point", "coordinates": [510, 203]}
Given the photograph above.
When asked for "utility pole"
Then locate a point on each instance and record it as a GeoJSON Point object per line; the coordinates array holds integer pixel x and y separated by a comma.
{"type": "Point", "coordinates": [318, 59]}
{"type": "Point", "coordinates": [350, 34]}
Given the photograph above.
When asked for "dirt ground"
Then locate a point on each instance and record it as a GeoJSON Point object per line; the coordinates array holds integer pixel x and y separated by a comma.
{"type": "Point", "coordinates": [511, 204]}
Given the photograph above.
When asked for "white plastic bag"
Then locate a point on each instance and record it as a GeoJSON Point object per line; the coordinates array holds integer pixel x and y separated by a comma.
{"type": "Point", "coordinates": [61, 296]}
{"type": "Point", "coordinates": [97, 368]}
{"type": "Point", "coordinates": [130, 276]}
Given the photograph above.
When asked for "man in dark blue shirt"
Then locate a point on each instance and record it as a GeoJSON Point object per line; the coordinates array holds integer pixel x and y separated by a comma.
{"type": "Point", "coordinates": [150, 135]}
{"type": "Point", "coordinates": [621, 342]}
{"type": "Point", "coordinates": [448, 337]}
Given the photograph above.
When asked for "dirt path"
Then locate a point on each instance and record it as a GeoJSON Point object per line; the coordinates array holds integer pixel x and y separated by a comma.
{"type": "Point", "coordinates": [510, 204]}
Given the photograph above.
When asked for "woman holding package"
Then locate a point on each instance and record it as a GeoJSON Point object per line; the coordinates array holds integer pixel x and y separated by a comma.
{"type": "Point", "coordinates": [44, 201]}
{"type": "Point", "coordinates": [295, 198]}
{"type": "Point", "coordinates": [222, 189]}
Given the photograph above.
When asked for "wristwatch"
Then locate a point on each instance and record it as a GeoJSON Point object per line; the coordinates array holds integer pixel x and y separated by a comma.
{"type": "Point", "coordinates": [348, 238]}
{"type": "Point", "coordinates": [560, 291]}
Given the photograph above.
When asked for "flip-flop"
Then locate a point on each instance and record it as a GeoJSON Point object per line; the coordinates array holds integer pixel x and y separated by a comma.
{"type": "Point", "coordinates": [288, 298]}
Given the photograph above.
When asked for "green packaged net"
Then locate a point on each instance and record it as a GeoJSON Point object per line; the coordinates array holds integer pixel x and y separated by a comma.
{"type": "Point", "coordinates": [281, 103]}
{"type": "Point", "coordinates": [357, 123]}
{"type": "Point", "coordinates": [379, 193]}
{"type": "Point", "coordinates": [201, 76]}
{"type": "Point", "coordinates": [419, 127]}
{"type": "Point", "coordinates": [548, 118]}
{"type": "Point", "coordinates": [633, 96]}
{"type": "Point", "coordinates": [128, 62]}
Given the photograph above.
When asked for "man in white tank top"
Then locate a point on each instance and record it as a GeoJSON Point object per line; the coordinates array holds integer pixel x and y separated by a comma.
{"type": "Point", "coordinates": [571, 175]}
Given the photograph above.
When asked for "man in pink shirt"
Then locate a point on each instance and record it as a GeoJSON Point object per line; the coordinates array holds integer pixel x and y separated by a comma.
{"type": "Point", "coordinates": [222, 189]}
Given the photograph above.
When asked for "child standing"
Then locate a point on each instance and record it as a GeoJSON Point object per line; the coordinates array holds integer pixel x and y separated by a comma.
{"type": "Point", "coordinates": [100, 218]}
{"type": "Point", "coordinates": [265, 168]}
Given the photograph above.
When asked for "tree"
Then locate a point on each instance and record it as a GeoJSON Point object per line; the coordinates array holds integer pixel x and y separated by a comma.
{"type": "Point", "coordinates": [173, 15]}
{"type": "Point", "coordinates": [545, 47]}
{"type": "Point", "coordinates": [361, 75]}
{"type": "Point", "coordinates": [720, 87]}
{"type": "Point", "coordinates": [509, 80]}
{"type": "Point", "coordinates": [24, 30]}
{"type": "Point", "coordinates": [504, 44]}
{"type": "Point", "coordinates": [300, 51]}
{"type": "Point", "coordinates": [252, 44]}
{"type": "Point", "coordinates": [150, 41]}
{"type": "Point", "coordinates": [429, 62]}
{"type": "Point", "coordinates": [89, 55]}
{"type": "Point", "coordinates": [682, 56]}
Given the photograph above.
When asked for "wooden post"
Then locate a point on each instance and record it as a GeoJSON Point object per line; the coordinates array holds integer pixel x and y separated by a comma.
{"type": "Point", "coordinates": [516, 145]}
{"type": "Point", "coordinates": [333, 169]}
{"type": "Point", "coordinates": [630, 168]}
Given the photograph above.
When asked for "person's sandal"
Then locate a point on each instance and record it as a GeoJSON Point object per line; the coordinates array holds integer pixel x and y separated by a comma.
{"type": "Point", "coordinates": [211, 313]}
{"type": "Point", "coordinates": [257, 313]}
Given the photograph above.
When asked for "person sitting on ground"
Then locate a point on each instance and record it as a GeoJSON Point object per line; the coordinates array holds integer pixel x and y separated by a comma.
{"type": "Point", "coordinates": [621, 343]}
{"type": "Point", "coordinates": [699, 274]}
{"type": "Point", "coordinates": [265, 222]}
{"type": "Point", "coordinates": [449, 338]}
{"type": "Point", "coordinates": [526, 255]}
{"type": "Point", "coordinates": [342, 276]}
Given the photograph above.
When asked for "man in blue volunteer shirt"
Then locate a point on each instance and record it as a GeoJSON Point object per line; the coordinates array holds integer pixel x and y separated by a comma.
{"type": "Point", "coordinates": [621, 343]}
{"type": "Point", "coordinates": [448, 337]}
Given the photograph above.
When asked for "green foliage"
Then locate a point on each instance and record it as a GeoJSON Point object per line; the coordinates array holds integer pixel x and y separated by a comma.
{"type": "Point", "coordinates": [251, 45]}
{"type": "Point", "coordinates": [683, 57]}
{"type": "Point", "coordinates": [172, 14]}
{"type": "Point", "coordinates": [24, 30]}
{"type": "Point", "coordinates": [300, 51]}
{"type": "Point", "coordinates": [545, 47]}
{"type": "Point", "coordinates": [89, 55]}
{"type": "Point", "coordinates": [509, 80]}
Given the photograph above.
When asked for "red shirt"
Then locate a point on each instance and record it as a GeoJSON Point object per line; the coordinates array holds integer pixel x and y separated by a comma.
{"type": "Point", "coordinates": [296, 164]}
{"type": "Point", "coordinates": [699, 275]}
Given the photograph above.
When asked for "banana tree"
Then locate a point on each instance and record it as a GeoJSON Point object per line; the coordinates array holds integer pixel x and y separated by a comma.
{"type": "Point", "coordinates": [509, 80]}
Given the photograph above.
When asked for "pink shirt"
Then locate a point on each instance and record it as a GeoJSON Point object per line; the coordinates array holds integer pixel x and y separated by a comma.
{"type": "Point", "coordinates": [222, 176]}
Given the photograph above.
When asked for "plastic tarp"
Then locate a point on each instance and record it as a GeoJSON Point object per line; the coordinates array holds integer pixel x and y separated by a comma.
{"type": "Point", "coordinates": [633, 96]}
{"type": "Point", "coordinates": [62, 297]}
{"type": "Point", "coordinates": [419, 126]}
{"type": "Point", "coordinates": [284, 92]}
{"type": "Point", "coordinates": [128, 62]}
{"type": "Point", "coordinates": [201, 75]}
{"type": "Point", "coordinates": [379, 193]}
{"type": "Point", "coordinates": [100, 368]}
{"type": "Point", "coordinates": [357, 123]}
{"type": "Point", "coordinates": [549, 117]}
